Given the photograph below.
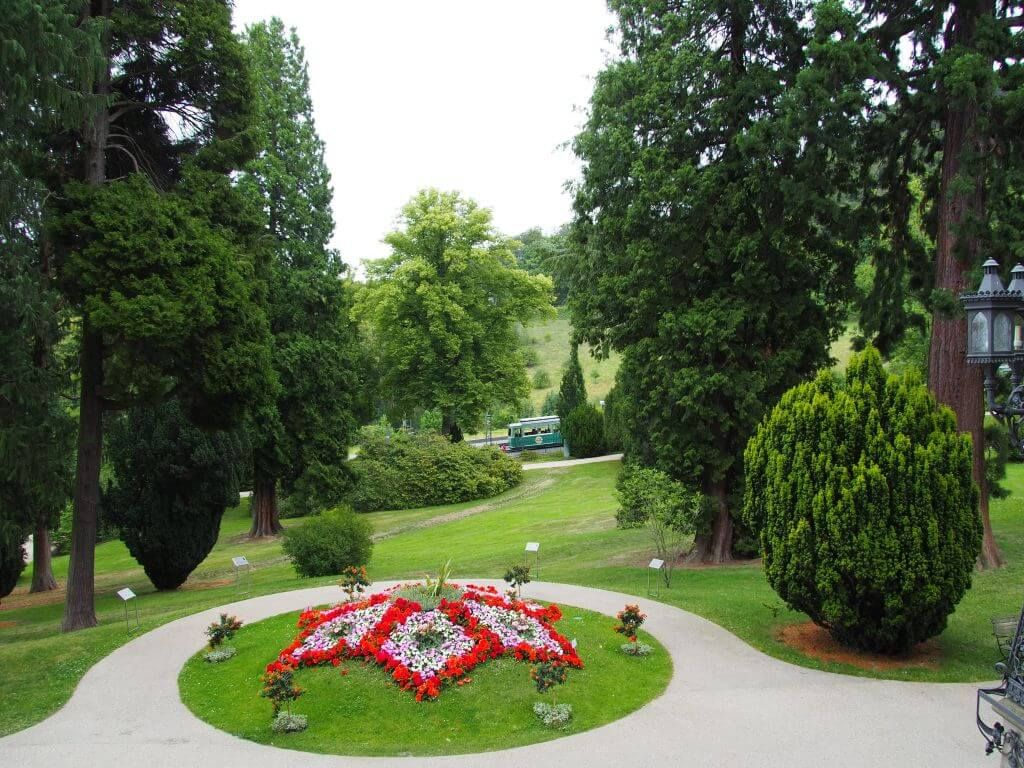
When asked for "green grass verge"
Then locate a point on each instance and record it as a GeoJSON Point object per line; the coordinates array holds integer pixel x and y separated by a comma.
{"type": "Point", "coordinates": [569, 510]}
{"type": "Point", "coordinates": [364, 713]}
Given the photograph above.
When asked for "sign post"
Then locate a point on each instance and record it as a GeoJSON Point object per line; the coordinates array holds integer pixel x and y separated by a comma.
{"type": "Point", "coordinates": [533, 546]}
{"type": "Point", "coordinates": [243, 574]}
{"type": "Point", "coordinates": [128, 596]}
{"type": "Point", "coordinates": [656, 566]}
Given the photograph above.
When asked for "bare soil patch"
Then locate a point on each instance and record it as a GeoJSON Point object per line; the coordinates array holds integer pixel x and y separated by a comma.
{"type": "Point", "coordinates": [814, 641]}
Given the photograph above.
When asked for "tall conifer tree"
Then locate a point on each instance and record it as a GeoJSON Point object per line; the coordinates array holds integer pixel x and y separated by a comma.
{"type": "Point", "coordinates": [301, 438]}
{"type": "Point", "coordinates": [712, 229]}
{"type": "Point", "coordinates": [154, 243]}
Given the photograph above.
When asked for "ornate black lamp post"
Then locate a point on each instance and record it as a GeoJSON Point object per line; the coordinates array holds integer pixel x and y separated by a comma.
{"type": "Point", "coordinates": [995, 337]}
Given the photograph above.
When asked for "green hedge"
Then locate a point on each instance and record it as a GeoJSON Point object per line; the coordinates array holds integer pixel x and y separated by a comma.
{"type": "Point", "coordinates": [862, 494]}
{"type": "Point", "coordinates": [422, 470]}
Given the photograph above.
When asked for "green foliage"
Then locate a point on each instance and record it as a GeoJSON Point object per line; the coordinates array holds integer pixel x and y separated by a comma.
{"type": "Point", "coordinates": [354, 581]}
{"type": "Point", "coordinates": [541, 254]}
{"type": "Point", "coordinates": [551, 405]}
{"type": "Point", "coordinates": [222, 629]}
{"type": "Point", "coordinates": [531, 358]}
{"type": "Point", "coordinates": [541, 379]}
{"type": "Point", "coordinates": [430, 421]}
{"type": "Point", "coordinates": [171, 485]}
{"type": "Point", "coordinates": [997, 454]}
{"type": "Point", "coordinates": [572, 392]}
{"type": "Point", "coordinates": [302, 436]}
{"type": "Point", "coordinates": [861, 492]}
{"type": "Point", "coordinates": [329, 543]}
{"type": "Point", "coordinates": [642, 492]}
{"type": "Point", "coordinates": [583, 430]}
{"type": "Point", "coordinates": [712, 247]}
{"type": "Point", "coordinates": [442, 311]}
{"type": "Point", "coordinates": [418, 470]}
{"type": "Point", "coordinates": [12, 556]}
{"type": "Point", "coordinates": [548, 674]}
{"type": "Point", "coordinates": [517, 576]}
{"type": "Point", "coordinates": [614, 427]}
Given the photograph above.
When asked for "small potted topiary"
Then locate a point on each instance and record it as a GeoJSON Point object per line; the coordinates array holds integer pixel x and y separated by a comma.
{"type": "Point", "coordinates": [517, 576]}
{"type": "Point", "coordinates": [219, 631]}
{"type": "Point", "coordinates": [630, 621]}
{"type": "Point", "coordinates": [547, 676]}
{"type": "Point", "coordinates": [354, 581]}
{"type": "Point", "coordinates": [279, 686]}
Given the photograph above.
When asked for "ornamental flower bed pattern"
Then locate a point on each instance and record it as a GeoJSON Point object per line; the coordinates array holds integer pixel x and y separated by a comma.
{"type": "Point", "coordinates": [424, 650]}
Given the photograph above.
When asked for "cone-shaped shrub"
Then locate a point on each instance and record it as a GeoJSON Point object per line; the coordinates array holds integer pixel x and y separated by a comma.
{"type": "Point", "coordinates": [861, 492]}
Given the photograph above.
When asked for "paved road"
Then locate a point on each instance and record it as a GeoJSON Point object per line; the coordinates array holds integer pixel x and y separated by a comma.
{"type": "Point", "coordinates": [571, 462]}
{"type": "Point", "coordinates": [727, 705]}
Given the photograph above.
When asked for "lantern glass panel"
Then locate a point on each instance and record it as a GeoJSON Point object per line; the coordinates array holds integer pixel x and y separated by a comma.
{"type": "Point", "coordinates": [1002, 336]}
{"type": "Point", "coordinates": [978, 342]}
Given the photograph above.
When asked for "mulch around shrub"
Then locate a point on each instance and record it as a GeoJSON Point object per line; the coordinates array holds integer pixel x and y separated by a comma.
{"type": "Point", "coordinates": [814, 641]}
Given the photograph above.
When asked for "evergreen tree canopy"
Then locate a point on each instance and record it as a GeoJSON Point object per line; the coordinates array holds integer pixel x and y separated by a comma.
{"type": "Point", "coordinates": [302, 436]}
{"type": "Point", "coordinates": [443, 309]}
{"type": "Point", "coordinates": [713, 239]}
{"type": "Point", "coordinates": [572, 393]}
{"type": "Point", "coordinates": [156, 246]}
{"type": "Point", "coordinates": [172, 483]}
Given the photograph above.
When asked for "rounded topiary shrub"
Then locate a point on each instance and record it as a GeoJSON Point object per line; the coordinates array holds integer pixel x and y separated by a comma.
{"type": "Point", "coordinates": [403, 471]}
{"type": "Point", "coordinates": [584, 431]}
{"type": "Point", "coordinates": [328, 544]}
{"type": "Point", "coordinates": [862, 495]}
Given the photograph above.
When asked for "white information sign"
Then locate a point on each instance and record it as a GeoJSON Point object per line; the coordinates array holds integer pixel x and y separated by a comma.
{"type": "Point", "coordinates": [656, 564]}
{"type": "Point", "coordinates": [533, 546]}
{"type": "Point", "coordinates": [239, 561]}
{"type": "Point", "coordinates": [126, 594]}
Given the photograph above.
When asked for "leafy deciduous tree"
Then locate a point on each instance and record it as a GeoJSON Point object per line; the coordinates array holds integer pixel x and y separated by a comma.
{"type": "Point", "coordinates": [443, 309]}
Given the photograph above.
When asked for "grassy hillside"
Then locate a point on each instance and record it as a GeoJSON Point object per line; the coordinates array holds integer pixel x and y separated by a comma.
{"type": "Point", "coordinates": [550, 340]}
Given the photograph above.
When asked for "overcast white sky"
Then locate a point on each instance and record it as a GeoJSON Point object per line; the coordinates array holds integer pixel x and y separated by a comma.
{"type": "Point", "coordinates": [475, 96]}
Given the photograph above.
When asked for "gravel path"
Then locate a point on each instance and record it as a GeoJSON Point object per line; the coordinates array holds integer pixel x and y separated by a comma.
{"type": "Point", "coordinates": [727, 705]}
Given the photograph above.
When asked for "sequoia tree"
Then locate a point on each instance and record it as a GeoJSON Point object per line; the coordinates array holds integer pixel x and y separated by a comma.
{"type": "Point", "coordinates": [443, 309]}
{"type": "Point", "coordinates": [47, 57]}
{"type": "Point", "coordinates": [713, 226]}
{"type": "Point", "coordinates": [301, 437]}
{"type": "Point", "coordinates": [946, 109]}
{"type": "Point", "coordinates": [155, 244]}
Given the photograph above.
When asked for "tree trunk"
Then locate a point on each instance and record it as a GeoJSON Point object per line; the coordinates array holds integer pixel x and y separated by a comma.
{"type": "Point", "coordinates": [265, 520]}
{"type": "Point", "coordinates": [80, 602]}
{"type": "Point", "coordinates": [450, 428]}
{"type": "Point", "coordinates": [42, 564]}
{"type": "Point", "coordinates": [715, 547]}
{"type": "Point", "coordinates": [79, 608]}
{"type": "Point", "coordinates": [954, 382]}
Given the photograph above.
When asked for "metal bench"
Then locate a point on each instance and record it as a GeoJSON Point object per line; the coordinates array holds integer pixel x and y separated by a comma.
{"type": "Point", "coordinates": [1006, 699]}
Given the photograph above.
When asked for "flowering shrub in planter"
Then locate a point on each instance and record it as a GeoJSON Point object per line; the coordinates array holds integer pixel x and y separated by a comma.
{"type": "Point", "coordinates": [425, 649]}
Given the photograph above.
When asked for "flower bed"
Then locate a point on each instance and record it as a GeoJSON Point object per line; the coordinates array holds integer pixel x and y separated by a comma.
{"type": "Point", "coordinates": [424, 650]}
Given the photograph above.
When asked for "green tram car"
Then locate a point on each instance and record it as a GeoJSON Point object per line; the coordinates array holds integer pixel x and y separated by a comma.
{"type": "Point", "coordinates": [532, 434]}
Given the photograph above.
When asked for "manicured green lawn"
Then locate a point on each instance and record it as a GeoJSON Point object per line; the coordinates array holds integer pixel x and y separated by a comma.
{"type": "Point", "coordinates": [570, 511]}
{"type": "Point", "coordinates": [364, 713]}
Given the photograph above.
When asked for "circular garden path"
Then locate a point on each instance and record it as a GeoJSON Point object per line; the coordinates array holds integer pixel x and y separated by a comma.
{"type": "Point", "coordinates": [727, 705]}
